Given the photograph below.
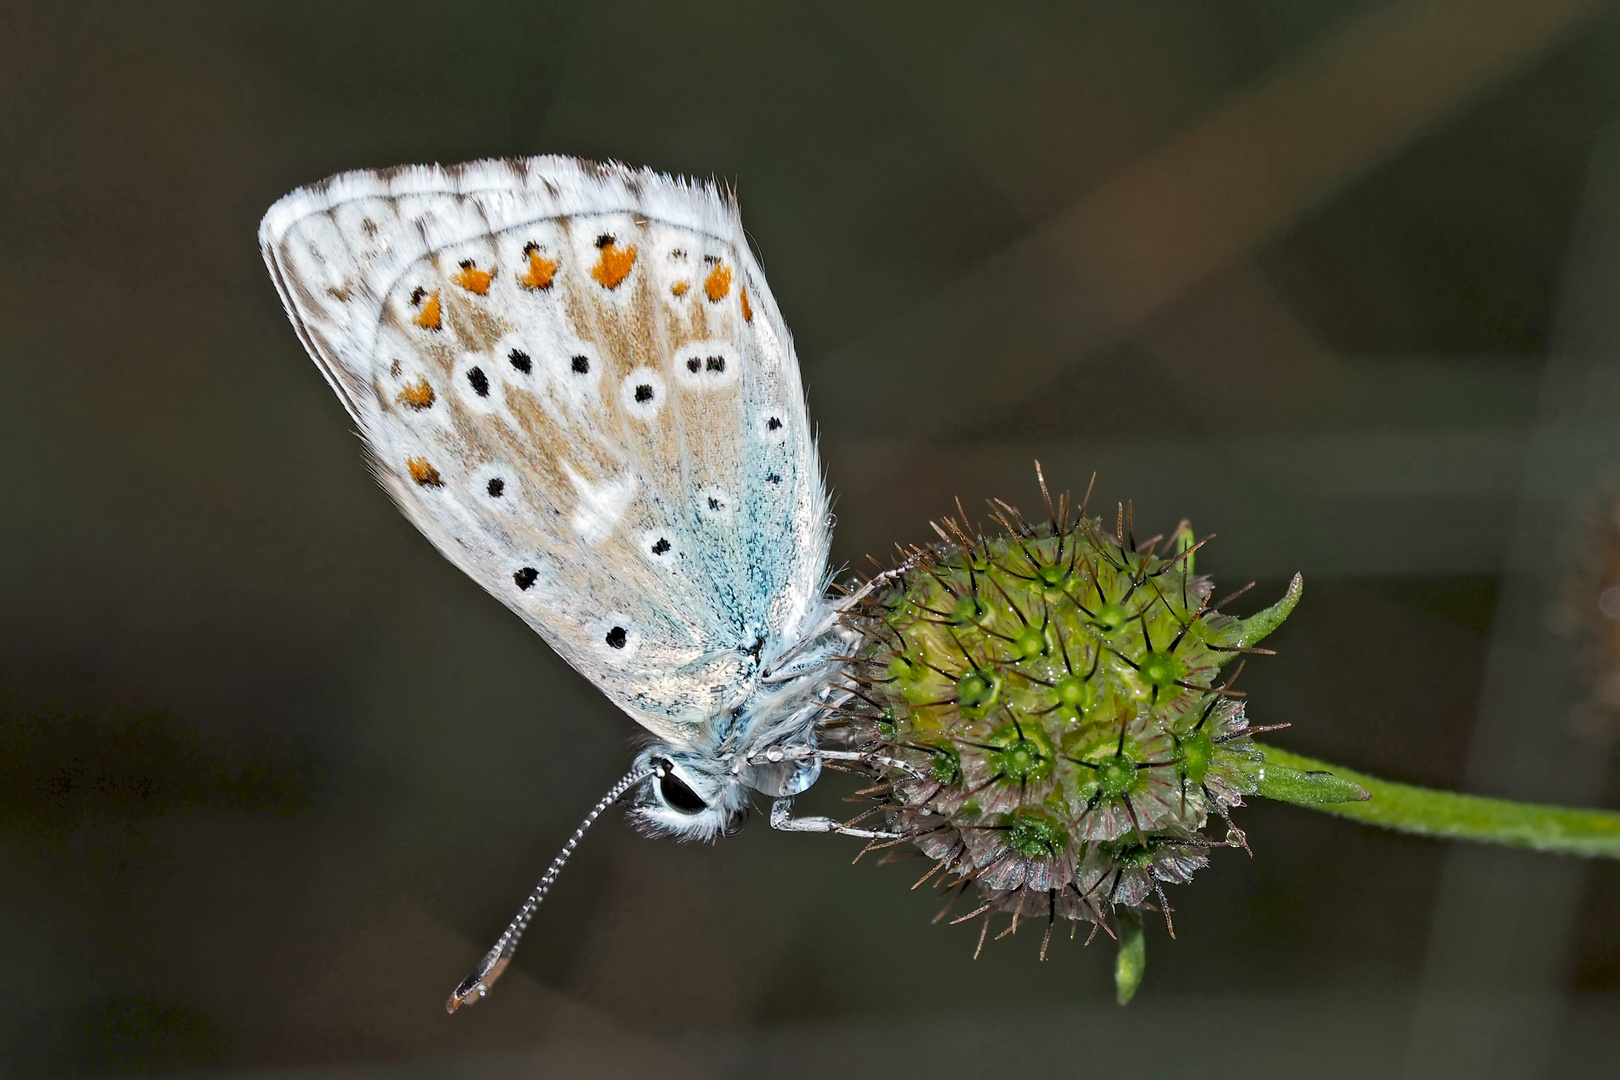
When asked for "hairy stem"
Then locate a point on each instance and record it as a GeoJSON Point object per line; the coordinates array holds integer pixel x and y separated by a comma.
{"type": "Point", "coordinates": [1455, 816]}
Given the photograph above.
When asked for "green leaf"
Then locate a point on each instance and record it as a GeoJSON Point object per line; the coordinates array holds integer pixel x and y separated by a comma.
{"type": "Point", "coordinates": [1131, 963]}
{"type": "Point", "coordinates": [1262, 623]}
{"type": "Point", "coordinates": [1182, 541]}
{"type": "Point", "coordinates": [1307, 788]}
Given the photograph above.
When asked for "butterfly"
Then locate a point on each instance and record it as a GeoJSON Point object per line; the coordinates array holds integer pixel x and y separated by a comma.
{"type": "Point", "coordinates": [574, 380]}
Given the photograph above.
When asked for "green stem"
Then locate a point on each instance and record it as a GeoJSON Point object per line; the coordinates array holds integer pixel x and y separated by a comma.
{"type": "Point", "coordinates": [1454, 816]}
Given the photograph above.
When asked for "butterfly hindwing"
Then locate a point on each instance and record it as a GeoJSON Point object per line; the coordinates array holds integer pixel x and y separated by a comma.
{"type": "Point", "coordinates": [574, 380]}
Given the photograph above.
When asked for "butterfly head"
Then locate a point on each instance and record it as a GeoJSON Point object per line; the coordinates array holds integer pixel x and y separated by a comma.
{"type": "Point", "coordinates": [697, 796]}
{"type": "Point", "coordinates": [689, 796]}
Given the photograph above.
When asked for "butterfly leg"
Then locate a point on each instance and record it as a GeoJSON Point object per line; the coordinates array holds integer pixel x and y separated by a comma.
{"type": "Point", "coordinates": [864, 757]}
{"type": "Point", "coordinates": [782, 818]}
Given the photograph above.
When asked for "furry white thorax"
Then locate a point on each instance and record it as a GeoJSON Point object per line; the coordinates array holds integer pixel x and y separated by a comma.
{"type": "Point", "coordinates": [767, 746]}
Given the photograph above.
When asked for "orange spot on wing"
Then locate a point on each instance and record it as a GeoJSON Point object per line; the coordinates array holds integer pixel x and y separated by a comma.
{"type": "Point", "coordinates": [472, 279]}
{"type": "Point", "coordinates": [417, 395]}
{"type": "Point", "coordinates": [430, 317]}
{"type": "Point", "coordinates": [718, 283]}
{"type": "Point", "coordinates": [613, 264]}
{"type": "Point", "coordinates": [679, 288]}
{"type": "Point", "coordinates": [423, 473]}
{"type": "Point", "coordinates": [748, 312]}
{"type": "Point", "coordinates": [541, 271]}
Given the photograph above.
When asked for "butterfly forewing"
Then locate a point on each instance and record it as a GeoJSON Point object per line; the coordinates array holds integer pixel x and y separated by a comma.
{"type": "Point", "coordinates": [573, 379]}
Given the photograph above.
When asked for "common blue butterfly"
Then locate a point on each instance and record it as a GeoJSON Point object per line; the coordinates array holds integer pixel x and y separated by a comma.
{"type": "Point", "coordinates": [573, 379]}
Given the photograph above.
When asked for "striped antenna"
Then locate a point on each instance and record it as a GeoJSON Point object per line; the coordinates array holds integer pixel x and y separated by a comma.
{"type": "Point", "coordinates": [476, 986]}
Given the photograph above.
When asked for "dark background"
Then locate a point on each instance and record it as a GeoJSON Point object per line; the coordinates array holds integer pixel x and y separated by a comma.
{"type": "Point", "coordinates": [1336, 280]}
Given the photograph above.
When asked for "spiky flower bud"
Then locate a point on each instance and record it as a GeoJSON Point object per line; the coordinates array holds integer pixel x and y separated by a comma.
{"type": "Point", "coordinates": [1044, 710]}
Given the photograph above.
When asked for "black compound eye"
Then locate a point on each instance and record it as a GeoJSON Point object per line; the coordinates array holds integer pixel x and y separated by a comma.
{"type": "Point", "coordinates": [676, 794]}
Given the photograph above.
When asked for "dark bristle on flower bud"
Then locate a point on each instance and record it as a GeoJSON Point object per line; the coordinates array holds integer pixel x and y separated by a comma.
{"type": "Point", "coordinates": [1045, 710]}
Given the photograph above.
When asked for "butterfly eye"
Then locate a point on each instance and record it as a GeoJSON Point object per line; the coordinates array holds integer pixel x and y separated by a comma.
{"type": "Point", "coordinates": [675, 792]}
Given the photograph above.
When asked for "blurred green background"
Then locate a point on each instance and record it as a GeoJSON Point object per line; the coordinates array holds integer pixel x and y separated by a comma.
{"type": "Point", "coordinates": [1338, 281]}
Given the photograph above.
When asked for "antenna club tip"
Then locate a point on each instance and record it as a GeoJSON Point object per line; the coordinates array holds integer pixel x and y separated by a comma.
{"type": "Point", "coordinates": [475, 987]}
